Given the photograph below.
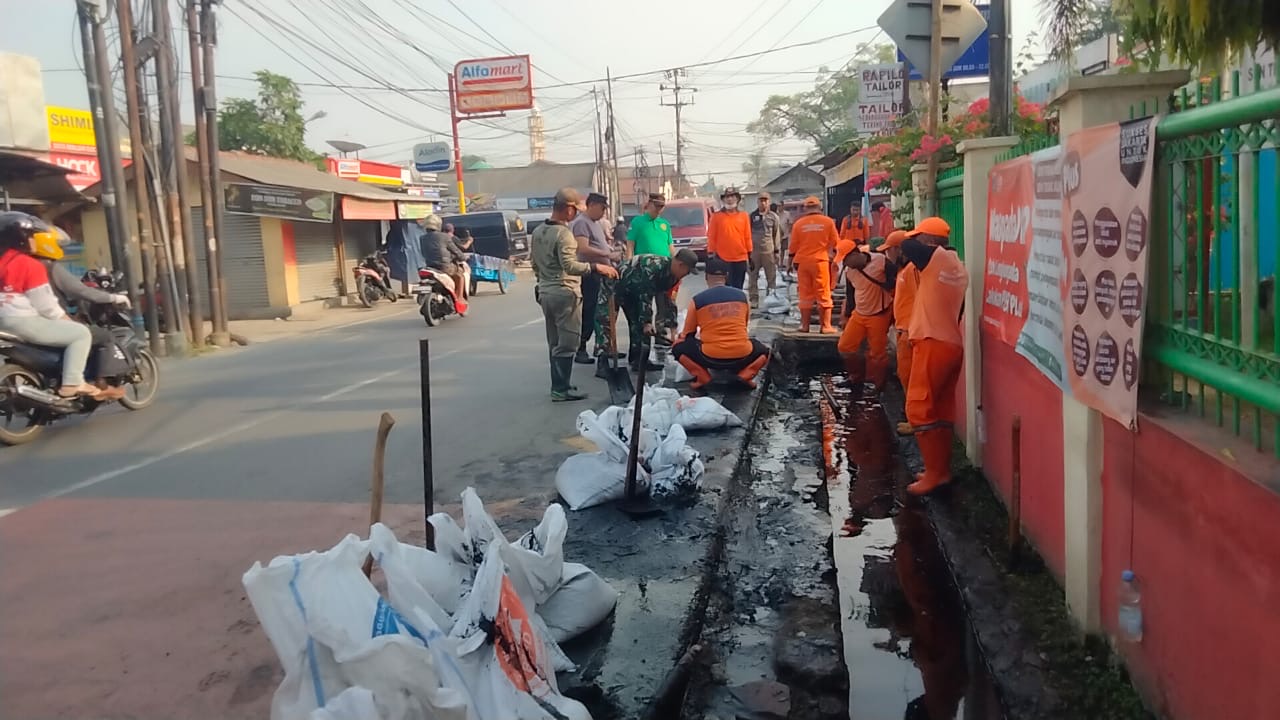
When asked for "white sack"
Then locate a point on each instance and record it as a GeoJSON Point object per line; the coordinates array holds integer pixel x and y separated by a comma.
{"type": "Point", "coordinates": [582, 601]}
{"type": "Point", "coordinates": [351, 704]}
{"type": "Point", "coordinates": [589, 479]}
{"type": "Point", "coordinates": [704, 413]}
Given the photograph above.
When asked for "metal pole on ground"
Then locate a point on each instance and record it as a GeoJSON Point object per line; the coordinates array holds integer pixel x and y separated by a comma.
{"type": "Point", "coordinates": [428, 478]}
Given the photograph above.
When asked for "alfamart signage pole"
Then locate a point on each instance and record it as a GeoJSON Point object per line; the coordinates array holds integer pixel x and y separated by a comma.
{"type": "Point", "coordinates": [482, 89]}
{"type": "Point", "coordinates": [457, 149]}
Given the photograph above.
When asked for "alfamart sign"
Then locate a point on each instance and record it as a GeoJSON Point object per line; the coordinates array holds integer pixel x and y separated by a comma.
{"type": "Point", "coordinates": [493, 84]}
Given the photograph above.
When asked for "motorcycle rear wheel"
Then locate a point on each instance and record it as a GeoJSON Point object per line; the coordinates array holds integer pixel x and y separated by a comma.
{"type": "Point", "coordinates": [10, 376]}
{"type": "Point", "coordinates": [366, 293]}
{"type": "Point", "coordinates": [428, 311]}
{"type": "Point", "coordinates": [141, 394]}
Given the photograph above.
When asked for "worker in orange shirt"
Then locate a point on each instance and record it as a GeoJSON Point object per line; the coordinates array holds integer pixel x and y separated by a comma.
{"type": "Point", "coordinates": [871, 277]}
{"type": "Point", "coordinates": [904, 300]}
{"type": "Point", "coordinates": [729, 237]}
{"type": "Point", "coordinates": [715, 337]}
{"type": "Point", "coordinates": [813, 244]}
{"type": "Point", "coordinates": [854, 227]}
{"type": "Point", "coordinates": [937, 348]}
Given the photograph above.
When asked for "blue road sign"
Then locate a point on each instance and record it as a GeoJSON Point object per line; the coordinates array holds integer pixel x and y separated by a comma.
{"type": "Point", "coordinates": [975, 62]}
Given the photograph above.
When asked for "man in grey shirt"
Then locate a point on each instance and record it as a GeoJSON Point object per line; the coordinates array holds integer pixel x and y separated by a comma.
{"type": "Point", "coordinates": [553, 252]}
{"type": "Point", "coordinates": [593, 247]}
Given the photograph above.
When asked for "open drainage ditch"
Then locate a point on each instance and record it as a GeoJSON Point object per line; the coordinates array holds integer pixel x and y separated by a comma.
{"type": "Point", "coordinates": [833, 599]}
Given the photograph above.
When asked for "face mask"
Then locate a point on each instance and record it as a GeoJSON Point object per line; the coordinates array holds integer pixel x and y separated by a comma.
{"type": "Point", "coordinates": [731, 204]}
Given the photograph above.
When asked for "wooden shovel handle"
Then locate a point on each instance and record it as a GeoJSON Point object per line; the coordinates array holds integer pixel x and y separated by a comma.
{"type": "Point", "coordinates": [385, 423]}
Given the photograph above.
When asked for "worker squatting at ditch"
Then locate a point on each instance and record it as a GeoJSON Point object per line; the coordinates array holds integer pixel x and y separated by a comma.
{"type": "Point", "coordinates": [715, 335]}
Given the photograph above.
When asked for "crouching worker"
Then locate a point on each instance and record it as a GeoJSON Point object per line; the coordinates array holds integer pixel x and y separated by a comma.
{"type": "Point", "coordinates": [715, 337]}
{"type": "Point", "coordinates": [871, 277]}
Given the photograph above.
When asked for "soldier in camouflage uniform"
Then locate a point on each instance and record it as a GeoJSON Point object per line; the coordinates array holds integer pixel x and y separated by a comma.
{"type": "Point", "coordinates": [642, 281]}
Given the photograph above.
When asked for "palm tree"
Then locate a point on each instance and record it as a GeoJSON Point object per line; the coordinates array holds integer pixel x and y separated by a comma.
{"type": "Point", "coordinates": [755, 167]}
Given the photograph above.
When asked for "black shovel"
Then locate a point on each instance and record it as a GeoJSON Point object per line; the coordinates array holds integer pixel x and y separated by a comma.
{"type": "Point", "coordinates": [619, 381]}
{"type": "Point", "coordinates": [633, 503]}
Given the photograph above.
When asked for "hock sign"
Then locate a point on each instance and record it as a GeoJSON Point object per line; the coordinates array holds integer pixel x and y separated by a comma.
{"type": "Point", "coordinates": [493, 84]}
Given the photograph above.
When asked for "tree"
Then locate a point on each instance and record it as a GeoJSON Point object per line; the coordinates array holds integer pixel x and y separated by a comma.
{"type": "Point", "coordinates": [1069, 24]}
{"type": "Point", "coordinates": [271, 125]}
{"type": "Point", "coordinates": [822, 115]}
{"type": "Point", "coordinates": [470, 160]}
{"type": "Point", "coordinates": [756, 167]}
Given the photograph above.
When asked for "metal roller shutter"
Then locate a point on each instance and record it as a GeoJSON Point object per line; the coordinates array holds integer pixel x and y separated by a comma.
{"type": "Point", "coordinates": [243, 266]}
{"type": "Point", "coordinates": [317, 258]}
{"type": "Point", "coordinates": [359, 238]}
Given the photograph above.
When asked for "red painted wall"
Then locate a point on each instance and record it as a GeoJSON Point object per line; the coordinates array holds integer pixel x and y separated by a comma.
{"type": "Point", "coordinates": [1204, 541]}
{"type": "Point", "coordinates": [1012, 386]}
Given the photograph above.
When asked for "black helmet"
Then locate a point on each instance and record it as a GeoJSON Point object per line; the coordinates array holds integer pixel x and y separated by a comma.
{"type": "Point", "coordinates": [17, 228]}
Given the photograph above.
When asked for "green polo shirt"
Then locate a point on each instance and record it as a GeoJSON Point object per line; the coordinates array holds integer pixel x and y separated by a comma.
{"type": "Point", "coordinates": [651, 236]}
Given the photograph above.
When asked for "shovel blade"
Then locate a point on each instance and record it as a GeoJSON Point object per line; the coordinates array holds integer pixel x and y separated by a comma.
{"type": "Point", "coordinates": [620, 388]}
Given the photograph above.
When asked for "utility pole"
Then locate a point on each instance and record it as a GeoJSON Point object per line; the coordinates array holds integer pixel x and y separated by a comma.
{"type": "Point", "coordinates": [98, 74]}
{"type": "Point", "coordinates": [1001, 68]}
{"type": "Point", "coordinates": [598, 145]}
{"type": "Point", "coordinates": [202, 153]}
{"type": "Point", "coordinates": [662, 166]}
{"type": "Point", "coordinates": [611, 136]}
{"type": "Point", "coordinates": [677, 102]}
{"type": "Point", "coordinates": [141, 200]}
{"type": "Point", "coordinates": [209, 41]}
{"type": "Point", "coordinates": [935, 100]}
{"type": "Point", "coordinates": [173, 166]}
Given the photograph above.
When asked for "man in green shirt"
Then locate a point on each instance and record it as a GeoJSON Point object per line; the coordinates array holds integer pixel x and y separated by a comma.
{"type": "Point", "coordinates": [650, 233]}
{"type": "Point", "coordinates": [553, 252]}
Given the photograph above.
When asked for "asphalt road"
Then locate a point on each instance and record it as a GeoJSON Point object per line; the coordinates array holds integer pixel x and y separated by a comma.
{"type": "Point", "coordinates": [293, 420]}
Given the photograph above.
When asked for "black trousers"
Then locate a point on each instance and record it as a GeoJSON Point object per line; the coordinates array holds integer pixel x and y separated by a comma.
{"type": "Point", "coordinates": [590, 296]}
{"type": "Point", "coordinates": [691, 347]}
{"type": "Point", "coordinates": [737, 276]}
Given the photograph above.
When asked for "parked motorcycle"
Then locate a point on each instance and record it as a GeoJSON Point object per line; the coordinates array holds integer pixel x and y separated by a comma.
{"type": "Point", "coordinates": [437, 297]}
{"type": "Point", "coordinates": [30, 376]}
{"type": "Point", "coordinates": [373, 279]}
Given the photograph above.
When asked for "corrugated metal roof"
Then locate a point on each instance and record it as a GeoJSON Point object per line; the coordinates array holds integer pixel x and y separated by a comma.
{"type": "Point", "coordinates": [290, 173]}
{"type": "Point", "coordinates": [537, 180]}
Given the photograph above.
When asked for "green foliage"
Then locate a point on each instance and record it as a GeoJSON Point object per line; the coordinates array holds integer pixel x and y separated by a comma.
{"type": "Point", "coordinates": [469, 161]}
{"type": "Point", "coordinates": [270, 125]}
{"type": "Point", "coordinates": [1201, 33]}
{"type": "Point", "coordinates": [757, 167]}
{"type": "Point", "coordinates": [821, 115]}
{"type": "Point", "coordinates": [1069, 24]}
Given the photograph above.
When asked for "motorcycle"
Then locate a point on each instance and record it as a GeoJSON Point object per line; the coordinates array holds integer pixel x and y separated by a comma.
{"type": "Point", "coordinates": [437, 297]}
{"type": "Point", "coordinates": [30, 375]}
{"type": "Point", "coordinates": [112, 281]}
{"type": "Point", "coordinates": [373, 279]}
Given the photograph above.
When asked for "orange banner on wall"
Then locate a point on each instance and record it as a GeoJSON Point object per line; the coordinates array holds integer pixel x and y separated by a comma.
{"type": "Point", "coordinates": [1066, 275]}
{"type": "Point", "coordinates": [357, 209]}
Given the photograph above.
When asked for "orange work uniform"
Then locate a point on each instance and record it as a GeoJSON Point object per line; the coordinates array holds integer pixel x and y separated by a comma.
{"type": "Point", "coordinates": [813, 240]}
{"type": "Point", "coordinates": [858, 231]}
{"type": "Point", "coordinates": [871, 317]}
{"type": "Point", "coordinates": [715, 336]}
{"type": "Point", "coordinates": [904, 300]}
{"type": "Point", "coordinates": [729, 236]}
{"type": "Point", "coordinates": [937, 351]}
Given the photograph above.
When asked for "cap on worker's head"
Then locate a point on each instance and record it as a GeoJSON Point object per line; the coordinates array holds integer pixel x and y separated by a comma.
{"type": "Point", "coordinates": [431, 222]}
{"type": "Point", "coordinates": [689, 258]}
{"type": "Point", "coordinates": [932, 226]}
{"type": "Point", "coordinates": [717, 267]}
{"type": "Point", "coordinates": [812, 202]}
{"type": "Point", "coordinates": [596, 198]}
{"type": "Point", "coordinates": [567, 197]}
{"type": "Point", "coordinates": [895, 239]}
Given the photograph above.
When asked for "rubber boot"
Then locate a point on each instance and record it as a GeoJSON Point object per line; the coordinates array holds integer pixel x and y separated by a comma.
{"type": "Point", "coordinates": [582, 357]}
{"type": "Point", "coordinates": [700, 375]}
{"type": "Point", "coordinates": [935, 448]}
{"type": "Point", "coordinates": [603, 366]}
{"type": "Point", "coordinates": [561, 374]}
{"type": "Point", "coordinates": [748, 374]}
{"type": "Point", "coordinates": [824, 314]}
{"type": "Point", "coordinates": [806, 312]}
{"type": "Point", "coordinates": [634, 359]}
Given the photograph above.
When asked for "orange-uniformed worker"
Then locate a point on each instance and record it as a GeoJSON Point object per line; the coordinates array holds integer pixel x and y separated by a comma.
{"type": "Point", "coordinates": [854, 227]}
{"type": "Point", "coordinates": [729, 237]}
{"type": "Point", "coordinates": [715, 337]}
{"type": "Point", "coordinates": [871, 276]}
{"type": "Point", "coordinates": [813, 243]}
{"type": "Point", "coordinates": [904, 300]}
{"type": "Point", "coordinates": [937, 347]}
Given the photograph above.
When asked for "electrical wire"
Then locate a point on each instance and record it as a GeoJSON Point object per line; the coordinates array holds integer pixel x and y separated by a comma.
{"type": "Point", "coordinates": [787, 34]}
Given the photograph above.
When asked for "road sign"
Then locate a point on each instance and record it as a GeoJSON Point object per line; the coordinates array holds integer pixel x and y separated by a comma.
{"type": "Point", "coordinates": [909, 24]}
{"type": "Point", "coordinates": [432, 157]}
{"type": "Point", "coordinates": [973, 63]}
{"type": "Point", "coordinates": [880, 95]}
{"type": "Point", "coordinates": [493, 84]}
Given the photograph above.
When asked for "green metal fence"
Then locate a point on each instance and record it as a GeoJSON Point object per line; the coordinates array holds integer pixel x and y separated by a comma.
{"type": "Point", "coordinates": [1213, 336]}
{"type": "Point", "coordinates": [1028, 145]}
{"type": "Point", "coordinates": [951, 204]}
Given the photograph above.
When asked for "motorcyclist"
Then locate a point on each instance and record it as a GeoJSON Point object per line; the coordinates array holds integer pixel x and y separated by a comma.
{"type": "Point", "coordinates": [70, 290]}
{"type": "Point", "coordinates": [29, 307]}
{"type": "Point", "coordinates": [439, 252]}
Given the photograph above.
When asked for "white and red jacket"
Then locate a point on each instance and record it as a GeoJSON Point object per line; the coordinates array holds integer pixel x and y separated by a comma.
{"type": "Point", "coordinates": [25, 289]}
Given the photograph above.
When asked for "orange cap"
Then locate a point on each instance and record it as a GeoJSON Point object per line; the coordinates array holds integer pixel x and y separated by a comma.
{"type": "Point", "coordinates": [895, 239]}
{"type": "Point", "coordinates": [932, 226]}
{"type": "Point", "coordinates": [812, 201]}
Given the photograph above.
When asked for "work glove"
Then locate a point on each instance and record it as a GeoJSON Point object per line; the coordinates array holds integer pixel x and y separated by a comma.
{"type": "Point", "coordinates": [121, 300]}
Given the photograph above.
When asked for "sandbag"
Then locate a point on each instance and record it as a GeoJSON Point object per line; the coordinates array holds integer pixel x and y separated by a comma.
{"type": "Point", "coordinates": [704, 413]}
{"type": "Point", "coordinates": [354, 703]}
{"type": "Point", "coordinates": [589, 479]}
{"type": "Point", "coordinates": [582, 601]}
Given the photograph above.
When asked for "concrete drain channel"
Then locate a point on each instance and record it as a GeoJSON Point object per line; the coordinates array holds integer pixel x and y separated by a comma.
{"type": "Point", "coordinates": [833, 598]}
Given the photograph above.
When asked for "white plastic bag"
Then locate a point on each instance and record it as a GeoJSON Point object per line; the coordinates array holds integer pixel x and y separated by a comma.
{"type": "Point", "coordinates": [582, 601]}
{"type": "Point", "coordinates": [776, 302]}
{"type": "Point", "coordinates": [704, 413]}
{"type": "Point", "coordinates": [673, 372]}
{"type": "Point", "coordinates": [354, 703]}
{"type": "Point", "coordinates": [589, 479]}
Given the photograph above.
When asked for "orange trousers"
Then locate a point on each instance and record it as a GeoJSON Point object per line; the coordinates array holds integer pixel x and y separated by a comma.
{"type": "Point", "coordinates": [874, 329]}
{"type": "Point", "coordinates": [904, 360]}
{"type": "Point", "coordinates": [935, 371]}
{"type": "Point", "coordinates": [813, 285]}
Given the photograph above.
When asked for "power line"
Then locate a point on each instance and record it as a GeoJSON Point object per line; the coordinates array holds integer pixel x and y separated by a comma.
{"type": "Point", "coordinates": [787, 34]}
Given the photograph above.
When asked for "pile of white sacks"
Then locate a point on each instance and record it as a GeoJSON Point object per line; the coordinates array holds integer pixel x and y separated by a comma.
{"type": "Point", "coordinates": [470, 631]}
{"type": "Point", "coordinates": [667, 464]}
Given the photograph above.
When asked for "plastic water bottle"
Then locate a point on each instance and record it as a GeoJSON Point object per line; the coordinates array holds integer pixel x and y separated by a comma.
{"type": "Point", "coordinates": [1130, 608]}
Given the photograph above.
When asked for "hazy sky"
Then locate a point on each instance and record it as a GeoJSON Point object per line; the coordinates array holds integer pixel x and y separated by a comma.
{"type": "Point", "coordinates": [406, 44]}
